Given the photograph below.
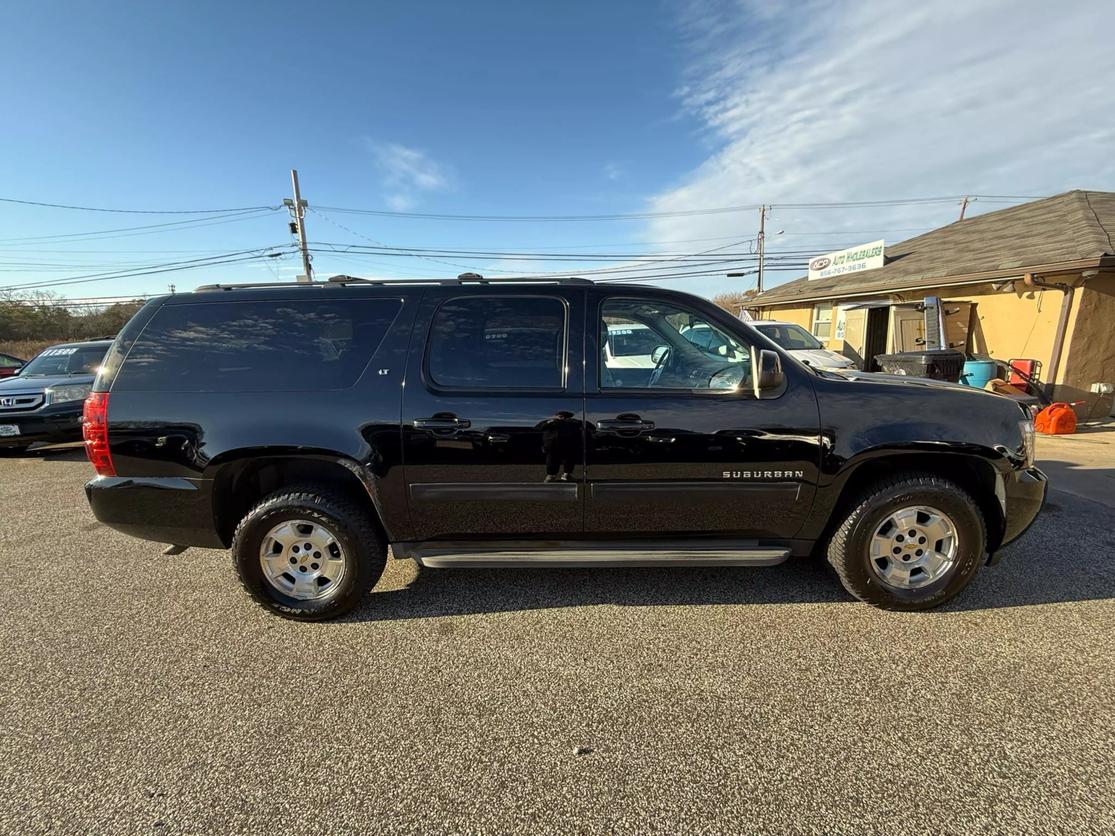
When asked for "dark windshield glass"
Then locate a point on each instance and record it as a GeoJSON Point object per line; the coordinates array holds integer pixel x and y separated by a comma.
{"type": "Point", "coordinates": [66, 359]}
{"type": "Point", "coordinates": [790, 337]}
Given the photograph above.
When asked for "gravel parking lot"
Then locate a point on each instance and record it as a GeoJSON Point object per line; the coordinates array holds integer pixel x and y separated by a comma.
{"type": "Point", "coordinates": [143, 693]}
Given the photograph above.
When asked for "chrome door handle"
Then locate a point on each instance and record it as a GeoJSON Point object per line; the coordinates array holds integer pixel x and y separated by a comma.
{"type": "Point", "coordinates": [441, 423]}
{"type": "Point", "coordinates": [633, 424]}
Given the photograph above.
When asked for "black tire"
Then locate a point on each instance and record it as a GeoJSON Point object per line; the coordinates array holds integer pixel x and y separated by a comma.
{"type": "Point", "coordinates": [356, 532]}
{"type": "Point", "coordinates": [848, 548]}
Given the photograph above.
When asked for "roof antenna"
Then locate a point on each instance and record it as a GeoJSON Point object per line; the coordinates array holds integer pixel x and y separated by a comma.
{"type": "Point", "coordinates": [470, 277]}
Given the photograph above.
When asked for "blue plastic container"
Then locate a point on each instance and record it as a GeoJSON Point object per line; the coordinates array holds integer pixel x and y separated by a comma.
{"type": "Point", "coordinates": [977, 372]}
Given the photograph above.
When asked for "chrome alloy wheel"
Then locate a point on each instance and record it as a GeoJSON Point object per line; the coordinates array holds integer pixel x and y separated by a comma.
{"type": "Point", "coordinates": [302, 560]}
{"type": "Point", "coordinates": [913, 547]}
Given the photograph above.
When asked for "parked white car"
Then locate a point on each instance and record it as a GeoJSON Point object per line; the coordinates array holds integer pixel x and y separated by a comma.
{"type": "Point", "coordinates": [632, 345]}
{"type": "Point", "coordinates": [801, 344]}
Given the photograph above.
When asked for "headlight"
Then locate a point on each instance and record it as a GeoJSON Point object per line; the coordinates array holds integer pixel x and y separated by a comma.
{"type": "Point", "coordinates": [66, 394]}
{"type": "Point", "coordinates": [1027, 428]}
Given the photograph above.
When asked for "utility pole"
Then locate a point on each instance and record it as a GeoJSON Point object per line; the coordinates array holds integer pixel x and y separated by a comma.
{"type": "Point", "coordinates": [762, 242]}
{"type": "Point", "coordinates": [963, 207]}
{"type": "Point", "coordinates": [298, 212]}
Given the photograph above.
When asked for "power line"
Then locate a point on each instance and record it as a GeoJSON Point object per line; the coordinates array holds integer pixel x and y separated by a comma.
{"type": "Point", "coordinates": [193, 223]}
{"type": "Point", "coordinates": [150, 270]}
{"type": "Point", "coordinates": [133, 211]}
{"type": "Point", "coordinates": [329, 220]}
{"type": "Point", "coordinates": [418, 252]}
{"type": "Point", "coordinates": [920, 201]}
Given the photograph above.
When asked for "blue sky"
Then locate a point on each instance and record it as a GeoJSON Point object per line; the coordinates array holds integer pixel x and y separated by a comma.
{"type": "Point", "coordinates": [515, 108]}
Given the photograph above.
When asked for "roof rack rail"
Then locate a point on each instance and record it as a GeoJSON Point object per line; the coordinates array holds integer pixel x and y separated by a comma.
{"type": "Point", "coordinates": [464, 278]}
{"type": "Point", "coordinates": [250, 285]}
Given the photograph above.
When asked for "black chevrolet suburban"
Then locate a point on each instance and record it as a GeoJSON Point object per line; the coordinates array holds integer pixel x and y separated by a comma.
{"type": "Point", "coordinates": [487, 423]}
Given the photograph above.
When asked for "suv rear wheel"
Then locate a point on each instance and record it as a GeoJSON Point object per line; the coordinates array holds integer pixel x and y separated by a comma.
{"type": "Point", "coordinates": [909, 543]}
{"type": "Point", "coordinates": [307, 554]}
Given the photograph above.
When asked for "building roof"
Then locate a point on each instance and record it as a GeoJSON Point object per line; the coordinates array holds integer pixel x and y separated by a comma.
{"type": "Point", "coordinates": [1070, 227]}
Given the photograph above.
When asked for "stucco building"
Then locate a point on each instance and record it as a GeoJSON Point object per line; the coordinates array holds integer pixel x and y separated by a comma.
{"type": "Point", "coordinates": [1032, 281]}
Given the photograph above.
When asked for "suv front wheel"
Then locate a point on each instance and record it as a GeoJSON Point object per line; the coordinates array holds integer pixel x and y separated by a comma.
{"type": "Point", "coordinates": [307, 554]}
{"type": "Point", "coordinates": [909, 543]}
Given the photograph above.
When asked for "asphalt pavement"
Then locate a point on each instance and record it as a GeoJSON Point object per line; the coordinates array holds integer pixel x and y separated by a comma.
{"type": "Point", "coordinates": [143, 693]}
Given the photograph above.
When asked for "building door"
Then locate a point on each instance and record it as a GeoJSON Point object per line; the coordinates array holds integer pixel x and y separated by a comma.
{"type": "Point", "coordinates": [677, 442]}
{"type": "Point", "coordinates": [875, 337]}
{"type": "Point", "coordinates": [493, 410]}
{"type": "Point", "coordinates": [908, 329]}
{"type": "Point", "coordinates": [855, 323]}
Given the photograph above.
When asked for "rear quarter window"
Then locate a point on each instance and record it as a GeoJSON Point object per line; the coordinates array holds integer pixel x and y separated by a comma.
{"type": "Point", "coordinates": [266, 346]}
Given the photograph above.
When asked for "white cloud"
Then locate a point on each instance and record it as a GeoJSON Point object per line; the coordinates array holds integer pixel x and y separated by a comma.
{"type": "Point", "coordinates": [614, 171]}
{"type": "Point", "coordinates": [888, 99]}
{"type": "Point", "coordinates": [408, 174]}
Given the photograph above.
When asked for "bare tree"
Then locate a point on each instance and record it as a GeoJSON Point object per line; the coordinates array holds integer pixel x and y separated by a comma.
{"type": "Point", "coordinates": [735, 301]}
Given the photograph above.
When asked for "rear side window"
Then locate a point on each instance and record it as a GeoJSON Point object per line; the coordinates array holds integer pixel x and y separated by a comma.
{"type": "Point", "coordinates": [257, 346]}
{"type": "Point", "coordinates": [498, 342]}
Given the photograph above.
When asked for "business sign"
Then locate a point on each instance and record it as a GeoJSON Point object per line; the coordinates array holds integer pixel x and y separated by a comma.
{"type": "Point", "coordinates": [851, 260]}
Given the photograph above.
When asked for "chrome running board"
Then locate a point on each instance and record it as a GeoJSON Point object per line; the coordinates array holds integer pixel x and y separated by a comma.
{"type": "Point", "coordinates": [574, 554]}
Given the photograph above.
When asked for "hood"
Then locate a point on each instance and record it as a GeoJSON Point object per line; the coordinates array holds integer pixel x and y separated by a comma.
{"type": "Point", "coordinates": [19, 383]}
{"type": "Point", "coordinates": [822, 358]}
{"type": "Point", "coordinates": [855, 375]}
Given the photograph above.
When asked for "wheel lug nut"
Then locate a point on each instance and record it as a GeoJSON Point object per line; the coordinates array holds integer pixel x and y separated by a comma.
{"type": "Point", "coordinates": [313, 566]}
{"type": "Point", "coordinates": [913, 533]}
{"type": "Point", "coordinates": [294, 560]}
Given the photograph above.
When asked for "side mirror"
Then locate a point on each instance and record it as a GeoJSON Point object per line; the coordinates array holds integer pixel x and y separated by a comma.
{"type": "Point", "coordinates": [770, 371]}
{"type": "Point", "coordinates": [658, 353]}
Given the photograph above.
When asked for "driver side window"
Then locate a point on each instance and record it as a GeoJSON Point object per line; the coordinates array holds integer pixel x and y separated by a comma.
{"type": "Point", "coordinates": [647, 344]}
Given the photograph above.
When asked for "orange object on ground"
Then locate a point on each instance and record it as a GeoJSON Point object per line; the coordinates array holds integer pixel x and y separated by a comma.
{"type": "Point", "coordinates": [1056, 419]}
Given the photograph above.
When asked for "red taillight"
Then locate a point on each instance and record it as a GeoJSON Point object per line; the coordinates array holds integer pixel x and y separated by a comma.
{"type": "Point", "coordinates": [94, 426]}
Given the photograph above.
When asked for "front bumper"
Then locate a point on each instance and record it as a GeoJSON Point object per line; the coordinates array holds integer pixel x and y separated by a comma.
{"type": "Point", "coordinates": [53, 424]}
{"type": "Point", "coordinates": [164, 509]}
{"type": "Point", "coordinates": [1025, 494]}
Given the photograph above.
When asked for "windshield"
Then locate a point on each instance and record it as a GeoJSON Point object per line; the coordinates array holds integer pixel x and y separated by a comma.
{"type": "Point", "coordinates": [790, 337]}
{"type": "Point", "coordinates": [66, 360]}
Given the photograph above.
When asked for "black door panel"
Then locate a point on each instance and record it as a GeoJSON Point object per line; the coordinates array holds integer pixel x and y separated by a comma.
{"type": "Point", "coordinates": [711, 463]}
{"type": "Point", "coordinates": [703, 461]}
{"type": "Point", "coordinates": [492, 460]}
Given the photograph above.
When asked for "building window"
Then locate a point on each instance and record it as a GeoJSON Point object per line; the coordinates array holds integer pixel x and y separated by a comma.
{"type": "Point", "coordinates": [822, 320]}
